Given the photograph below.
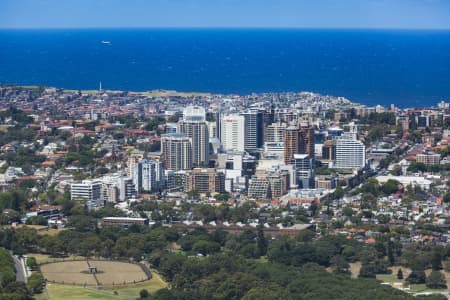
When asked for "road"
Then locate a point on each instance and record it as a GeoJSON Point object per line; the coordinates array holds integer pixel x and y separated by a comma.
{"type": "Point", "coordinates": [19, 265]}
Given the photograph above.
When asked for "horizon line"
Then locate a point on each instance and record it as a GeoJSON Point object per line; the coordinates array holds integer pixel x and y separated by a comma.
{"type": "Point", "coordinates": [230, 28]}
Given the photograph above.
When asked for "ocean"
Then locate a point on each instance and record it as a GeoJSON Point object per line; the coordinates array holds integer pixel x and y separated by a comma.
{"type": "Point", "coordinates": [404, 67]}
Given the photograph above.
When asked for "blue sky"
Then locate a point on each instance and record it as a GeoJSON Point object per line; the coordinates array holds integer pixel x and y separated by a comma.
{"type": "Point", "coordinates": [409, 14]}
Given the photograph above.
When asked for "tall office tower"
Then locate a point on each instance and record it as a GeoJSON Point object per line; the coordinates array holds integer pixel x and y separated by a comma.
{"type": "Point", "coordinates": [149, 176]}
{"type": "Point", "coordinates": [133, 158]}
{"type": "Point", "coordinates": [254, 130]}
{"type": "Point", "coordinates": [233, 132]}
{"type": "Point", "coordinates": [89, 192]}
{"type": "Point", "coordinates": [218, 123]}
{"type": "Point", "coordinates": [269, 115]}
{"type": "Point", "coordinates": [291, 143]}
{"type": "Point", "coordinates": [304, 170]}
{"type": "Point", "coordinates": [176, 151]}
{"type": "Point", "coordinates": [275, 133]}
{"type": "Point", "coordinates": [195, 127]}
{"type": "Point", "coordinates": [307, 140]}
{"type": "Point", "coordinates": [350, 153]}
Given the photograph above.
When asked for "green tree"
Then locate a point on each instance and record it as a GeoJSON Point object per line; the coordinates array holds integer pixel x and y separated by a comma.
{"type": "Point", "coordinates": [261, 241]}
{"type": "Point", "coordinates": [400, 274]}
{"type": "Point", "coordinates": [339, 265]}
{"type": "Point", "coordinates": [436, 280]}
{"type": "Point", "coordinates": [436, 261]}
{"type": "Point", "coordinates": [205, 247]}
{"type": "Point", "coordinates": [390, 187]}
{"type": "Point", "coordinates": [390, 253]}
{"type": "Point", "coordinates": [36, 283]}
{"type": "Point", "coordinates": [144, 294]}
{"type": "Point", "coordinates": [447, 197]}
{"type": "Point", "coordinates": [368, 271]}
{"type": "Point", "coordinates": [416, 277]}
{"type": "Point", "coordinates": [347, 211]}
{"type": "Point", "coordinates": [338, 192]}
{"type": "Point", "coordinates": [82, 223]}
{"type": "Point", "coordinates": [31, 263]}
{"type": "Point", "coordinates": [383, 219]}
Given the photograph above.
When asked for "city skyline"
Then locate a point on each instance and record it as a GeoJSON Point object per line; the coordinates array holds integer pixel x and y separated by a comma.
{"type": "Point", "coordinates": [369, 14]}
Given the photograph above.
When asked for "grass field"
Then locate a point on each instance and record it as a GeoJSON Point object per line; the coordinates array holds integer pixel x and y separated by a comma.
{"type": "Point", "coordinates": [413, 288]}
{"type": "Point", "coordinates": [118, 272]}
{"type": "Point", "coordinates": [69, 272]}
{"type": "Point", "coordinates": [109, 272]}
{"type": "Point", "coordinates": [67, 292]}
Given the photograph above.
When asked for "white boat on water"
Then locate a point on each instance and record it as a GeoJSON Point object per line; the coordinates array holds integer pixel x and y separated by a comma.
{"type": "Point", "coordinates": [106, 42]}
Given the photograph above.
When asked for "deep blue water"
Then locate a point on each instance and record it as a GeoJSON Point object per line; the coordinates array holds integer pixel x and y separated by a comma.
{"type": "Point", "coordinates": [409, 68]}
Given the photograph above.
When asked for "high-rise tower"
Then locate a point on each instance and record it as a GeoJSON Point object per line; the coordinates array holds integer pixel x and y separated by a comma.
{"type": "Point", "coordinates": [233, 132]}
{"type": "Point", "coordinates": [254, 130]}
{"type": "Point", "coordinates": [291, 143]}
{"type": "Point", "coordinates": [176, 151]}
{"type": "Point", "coordinates": [194, 126]}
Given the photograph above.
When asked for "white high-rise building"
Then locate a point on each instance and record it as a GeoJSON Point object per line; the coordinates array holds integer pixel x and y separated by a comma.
{"type": "Point", "coordinates": [149, 176]}
{"type": "Point", "coordinates": [176, 151]}
{"type": "Point", "coordinates": [195, 127]}
{"type": "Point", "coordinates": [89, 192]}
{"type": "Point", "coordinates": [350, 153]}
{"type": "Point", "coordinates": [233, 132]}
{"type": "Point", "coordinates": [194, 113]}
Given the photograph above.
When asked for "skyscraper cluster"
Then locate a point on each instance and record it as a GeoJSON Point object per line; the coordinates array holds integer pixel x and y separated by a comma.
{"type": "Point", "coordinates": [259, 152]}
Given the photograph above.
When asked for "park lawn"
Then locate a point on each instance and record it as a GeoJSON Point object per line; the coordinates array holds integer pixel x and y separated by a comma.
{"type": "Point", "coordinates": [152, 285]}
{"type": "Point", "coordinates": [68, 292]}
{"type": "Point", "coordinates": [388, 278]}
{"type": "Point", "coordinates": [422, 288]}
{"type": "Point", "coordinates": [415, 288]}
{"type": "Point", "coordinates": [41, 296]}
{"type": "Point", "coordinates": [61, 291]}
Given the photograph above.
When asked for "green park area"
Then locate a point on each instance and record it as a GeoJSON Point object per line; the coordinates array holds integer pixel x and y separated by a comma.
{"type": "Point", "coordinates": [68, 292]}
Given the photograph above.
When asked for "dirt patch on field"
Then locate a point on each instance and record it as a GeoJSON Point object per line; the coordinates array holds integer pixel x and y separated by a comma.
{"type": "Point", "coordinates": [108, 273]}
